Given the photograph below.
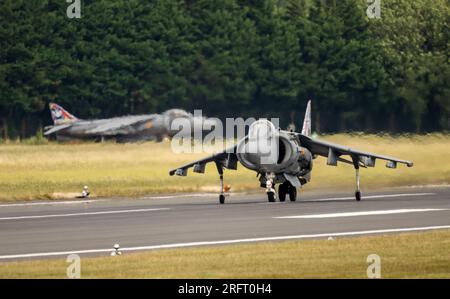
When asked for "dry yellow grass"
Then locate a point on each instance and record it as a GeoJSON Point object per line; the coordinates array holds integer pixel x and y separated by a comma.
{"type": "Point", "coordinates": [60, 170]}
{"type": "Point", "coordinates": [419, 255]}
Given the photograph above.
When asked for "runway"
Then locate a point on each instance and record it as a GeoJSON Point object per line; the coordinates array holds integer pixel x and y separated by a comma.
{"type": "Point", "coordinates": [92, 227]}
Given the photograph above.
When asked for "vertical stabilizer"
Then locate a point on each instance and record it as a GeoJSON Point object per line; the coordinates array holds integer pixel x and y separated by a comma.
{"type": "Point", "coordinates": [306, 130]}
{"type": "Point", "coordinates": [60, 115]}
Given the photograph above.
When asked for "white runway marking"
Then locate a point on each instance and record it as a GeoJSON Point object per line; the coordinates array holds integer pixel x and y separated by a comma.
{"type": "Point", "coordinates": [82, 214]}
{"type": "Point", "coordinates": [181, 196]}
{"type": "Point", "coordinates": [374, 196]}
{"type": "Point", "coordinates": [71, 202]}
{"type": "Point", "coordinates": [359, 213]}
{"type": "Point", "coordinates": [224, 242]}
{"type": "Point", "coordinates": [363, 197]}
{"type": "Point", "coordinates": [49, 203]}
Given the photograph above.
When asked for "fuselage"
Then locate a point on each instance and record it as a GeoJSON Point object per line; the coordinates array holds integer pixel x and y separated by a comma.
{"type": "Point", "coordinates": [131, 128]}
{"type": "Point", "coordinates": [89, 128]}
{"type": "Point", "coordinates": [275, 151]}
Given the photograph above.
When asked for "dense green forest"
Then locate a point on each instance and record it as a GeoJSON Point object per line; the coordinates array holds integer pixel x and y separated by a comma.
{"type": "Point", "coordinates": [231, 58]}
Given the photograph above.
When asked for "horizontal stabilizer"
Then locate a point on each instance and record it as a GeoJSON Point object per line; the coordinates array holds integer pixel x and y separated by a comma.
{"type": "Point", "coordinates": [55, 129]}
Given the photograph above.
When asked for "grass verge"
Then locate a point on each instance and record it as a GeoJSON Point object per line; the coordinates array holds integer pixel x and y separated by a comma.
{"type": "Point", "coordinates": [416, 255]}
{"type": "Point", "coordinates": [53, 170]}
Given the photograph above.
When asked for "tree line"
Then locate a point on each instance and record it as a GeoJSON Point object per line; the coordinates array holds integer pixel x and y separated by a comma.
{"type": "Point", "coordinates": [230, 58]}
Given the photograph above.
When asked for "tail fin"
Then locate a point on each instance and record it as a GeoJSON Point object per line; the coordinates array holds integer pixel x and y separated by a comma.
{"type": "Point", "coordinates": [306, 130]}
{"type": "Point", "coordinates": [61, 116]}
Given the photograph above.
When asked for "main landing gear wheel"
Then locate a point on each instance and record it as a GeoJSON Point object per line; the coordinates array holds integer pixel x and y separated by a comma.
{"type": "Point", "coordinates": [292, 193]}
{"type": "Point", "coordinates": [287, 189]}
{"type": "Point", "coordinates": [282, 191]}
{"type": "Point", "coordinates": [358, 195]}
{"type": "Point", "coordinates": [271, 196]}
{"type": "Point", "coordinates": [222, 199]}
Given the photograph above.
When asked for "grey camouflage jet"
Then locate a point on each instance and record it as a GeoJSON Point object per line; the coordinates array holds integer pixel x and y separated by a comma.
{"type": "Point", "coordinates": [131, 128]}
{"type": "Point", "coordinates": [285, 158]}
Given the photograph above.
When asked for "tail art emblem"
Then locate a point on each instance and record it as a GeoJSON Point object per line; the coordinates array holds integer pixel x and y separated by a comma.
{"type": "Point", "coordinates": [59, 115]}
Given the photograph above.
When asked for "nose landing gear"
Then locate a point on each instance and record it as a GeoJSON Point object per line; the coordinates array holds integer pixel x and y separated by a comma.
{"type": "Point", "coordinates": [269, 189]}
{"type": "Point", "coordinates": [271, 195]}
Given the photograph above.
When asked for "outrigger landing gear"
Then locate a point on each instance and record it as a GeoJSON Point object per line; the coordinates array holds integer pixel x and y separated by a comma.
{"type": "Point", "coordinates": [358, 190]}
{"type": "Point", "coordinates": [222, 193]}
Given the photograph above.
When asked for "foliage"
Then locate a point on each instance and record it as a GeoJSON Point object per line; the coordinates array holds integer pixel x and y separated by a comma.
{"type": "Point", "coordinates": [262, 58]}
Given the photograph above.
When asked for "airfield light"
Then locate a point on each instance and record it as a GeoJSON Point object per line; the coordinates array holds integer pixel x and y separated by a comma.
{"type": "Point", "coordinates": [85, 193]}
{"type": "Point", "coordinates": [116, 250]}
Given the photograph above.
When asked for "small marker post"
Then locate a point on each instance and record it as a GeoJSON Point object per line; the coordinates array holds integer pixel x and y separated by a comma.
{"type": "Point", "coordinates": [116, 250]}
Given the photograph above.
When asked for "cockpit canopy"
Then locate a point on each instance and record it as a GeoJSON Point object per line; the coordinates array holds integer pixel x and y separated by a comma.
{"type": "Point", "coordinates": [177, 113]}
{"type": "Point", "coordinates": [261, 130]}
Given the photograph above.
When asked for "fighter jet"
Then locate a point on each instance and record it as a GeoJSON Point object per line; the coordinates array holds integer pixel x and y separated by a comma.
{"type": "Point", "coordinates": [123, 129]}
{"type": "Point", "coordinates": [285, 158]}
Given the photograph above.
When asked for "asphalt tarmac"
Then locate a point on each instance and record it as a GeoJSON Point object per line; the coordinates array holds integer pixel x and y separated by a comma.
{"type": "Point", "coordinates": [91, 227]}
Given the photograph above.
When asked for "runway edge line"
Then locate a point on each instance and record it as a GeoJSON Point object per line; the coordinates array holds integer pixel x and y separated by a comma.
{"type": "Point", "coordinates": [224, 242]}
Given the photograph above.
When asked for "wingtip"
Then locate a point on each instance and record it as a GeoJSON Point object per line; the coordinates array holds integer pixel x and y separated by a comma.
{"type": "Point", "coordinates": [410, 164]}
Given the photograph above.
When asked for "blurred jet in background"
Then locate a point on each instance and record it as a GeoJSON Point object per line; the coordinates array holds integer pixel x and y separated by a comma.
{"type": "Point", "coordinates": [132, 128]}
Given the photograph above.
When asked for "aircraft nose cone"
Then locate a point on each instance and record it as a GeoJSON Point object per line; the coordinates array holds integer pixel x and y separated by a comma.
{"type": "Point", "coordinates": [253, 158]}
{"type": "Point", "coordinates": [257, 155]}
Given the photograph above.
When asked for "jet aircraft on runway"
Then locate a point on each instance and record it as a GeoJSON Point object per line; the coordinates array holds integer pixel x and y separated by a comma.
{"type": "Point", "coordinates": [285, 158]}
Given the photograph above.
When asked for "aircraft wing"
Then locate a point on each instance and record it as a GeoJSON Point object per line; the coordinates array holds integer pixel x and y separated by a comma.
{"type": "Point", "coordinates": [226, 159]}
{"type": "Point", "coordinates": [334, 152]}
{"type": "Point", "coordinates": [54, 129]}
{"type": "Point", "coordinates": [123, 125]}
